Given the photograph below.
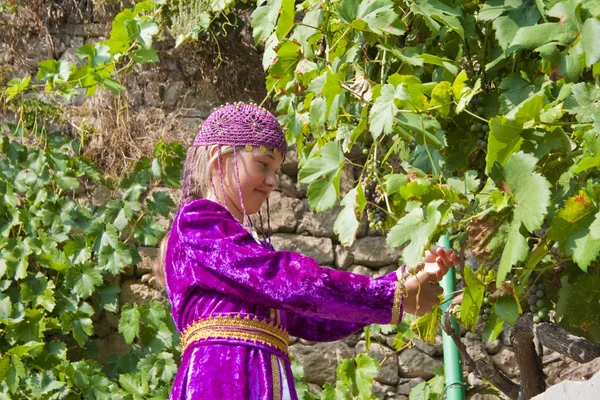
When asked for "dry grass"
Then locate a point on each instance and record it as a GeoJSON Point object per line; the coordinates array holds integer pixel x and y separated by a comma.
{"type": "Point", "coordinates": [115, 137]}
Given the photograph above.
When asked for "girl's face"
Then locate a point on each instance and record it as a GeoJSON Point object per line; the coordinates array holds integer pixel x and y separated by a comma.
{"type": "Point", "coordinates": [257, 178]}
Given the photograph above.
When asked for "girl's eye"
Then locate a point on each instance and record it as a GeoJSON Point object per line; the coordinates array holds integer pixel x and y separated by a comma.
{"type": "Point", "coordinates": [265, 165]}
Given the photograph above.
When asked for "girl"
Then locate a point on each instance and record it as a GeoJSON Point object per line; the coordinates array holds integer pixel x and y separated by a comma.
{"type": "Point", "coordinates": [234, 298]}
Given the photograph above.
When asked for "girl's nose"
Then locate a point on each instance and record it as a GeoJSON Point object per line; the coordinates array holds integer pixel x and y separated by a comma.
{"type": "Point", "coordinates": [271, 179]}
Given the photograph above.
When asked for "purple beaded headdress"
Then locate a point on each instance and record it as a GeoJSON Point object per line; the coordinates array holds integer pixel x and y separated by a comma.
{"type": "Point", "coordinates": [242, 125]}
{"type": "Point", "coordinates": [235, 125]}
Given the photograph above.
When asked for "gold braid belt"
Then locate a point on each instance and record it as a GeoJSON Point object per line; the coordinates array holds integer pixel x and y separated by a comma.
{"type": "Point", "coordinates": [249, 329]}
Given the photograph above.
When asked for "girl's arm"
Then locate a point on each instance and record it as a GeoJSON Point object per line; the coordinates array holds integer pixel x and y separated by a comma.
{"type": "Point", "coordinates": [318, 329]}
{"type": "Point", "coordinates": [209, 248]}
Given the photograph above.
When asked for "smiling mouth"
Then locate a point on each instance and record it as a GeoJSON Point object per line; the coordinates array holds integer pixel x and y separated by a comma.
{"type": "Point", "coordinates": [265, 194]}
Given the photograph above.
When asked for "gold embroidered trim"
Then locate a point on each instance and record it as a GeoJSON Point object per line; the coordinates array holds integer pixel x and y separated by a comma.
{"type": "Point", "coordinates": [249, 329]}
{"type": "Point", "coordinates": [399, 294]}
{"type": "Point", "coordinates": [276, 378]}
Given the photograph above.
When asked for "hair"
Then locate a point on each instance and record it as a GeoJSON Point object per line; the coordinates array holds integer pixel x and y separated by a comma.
{"type": "Point", "coordinates": [197, 178]}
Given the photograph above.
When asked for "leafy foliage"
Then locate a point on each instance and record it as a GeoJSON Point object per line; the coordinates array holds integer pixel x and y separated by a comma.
{"type": "Point", "coordinates": [58, 259]}
{"type": "Point", "coordinates": [478, 118]}
{"type": "Point", "coordinates": [59, 253]}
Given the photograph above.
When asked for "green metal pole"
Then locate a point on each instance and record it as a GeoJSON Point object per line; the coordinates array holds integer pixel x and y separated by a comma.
{"type": "Point", "coordinates": [452, 364]}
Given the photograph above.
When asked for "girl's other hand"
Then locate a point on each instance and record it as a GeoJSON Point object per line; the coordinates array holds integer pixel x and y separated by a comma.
{"type": "Point", "coordinates": [438, 261]}
{"type": "Point", "coordinates": [423, 288]}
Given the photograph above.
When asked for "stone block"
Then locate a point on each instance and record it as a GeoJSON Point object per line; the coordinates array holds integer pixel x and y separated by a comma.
{"type": "Point", "coordinates": [414, 363]}
{"type": "Point", "coordinates": [506, 361]}
{"type": "Point", "coordinates": [343, 257]}
{"type": "Point", "coordinates": [360, 269]}
{"type": "Point", "coordinates": [133, 291]}
{"type": "Point", "coordinates": [285, 212]}
{"type": "Point", "coordinates": [320, 360]}
{"type": "Point", "coordinates": [373, 252]}
{"type": "Point", "coordinates": [405, 385]}
{"type": "Point", "coordinates": [319, 224]}
{"type": "Point", "coordinates": [172, 93]}
{"type": "Point", "coordinates": [476, 350]}
{"type": "Point", "coordinates": [290, 165]}
{"type": "Point", "coordinates": [321, 249]}
{"type": "Point", "coordinates": [493, 346]}
{"type": "Point", "coordinates": [149, 257]}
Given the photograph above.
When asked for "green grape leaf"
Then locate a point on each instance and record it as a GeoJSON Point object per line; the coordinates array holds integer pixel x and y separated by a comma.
{"type": "Point", "coordinates": [5, 309]}
{"type": "Point", "coordinates": [327, 165]}
{"type": "Point", "coordinates": [135, 384]}
{"type": "Point", "coordinates": [366, 369]}
{"type": "Point", "coordinates": [530, 190]}
{"type": "Point", "coordinates": [589, 38]}
{"type": "Point", "coordinates": [4, 367]}
{"type": "Point", "coordinates": [507, 309]}
{"type": "Point", "coordinates": [15, 373]}
{"type": "Point", "coordinates": [383, 112]}
{"type": "Point", "coordinates": [515, 250]}
{"type": "Point", "coordinates": [23, 349]}
{"type": "Point", "coordinates": [159, 367]}
{"type": "Point", "coordinates": [38, 290]}
{"type": "Point", "coordinates": [504, 139]}
{"type": "Point", "coordinates": [584, 307]}
{"type": "Point", "coordinates": [145, 55]}
{"type": "Point", "coordinates": [113, 260]}
{"type": "Point", "coordinates": [340, 392]}
{"type": "Point", "coordinates": [85, 281]}
{"type": "Point", "coordinates": [375, 16]}
{"type": "Point", "coordinates": [426, 326]}
{"type": "Point", "coordinates": [493, 328]}
{"type": "Point", "coordinates": [436, 12]}
{"type": "Point", "coordinates": [155, 313]}
{"type": "Point", "coordinates": [162, 203]}
{"type": "Point", "coordinates": [472, 298]}
{"type": "Point", "coordinates": [322, 195]}
{"type": "Point", "coordinates": [66, 182]}
{"type": "Point", "coordinates": [418, 227]}
{"type": "Point", "coordinates": [129, 323]}
{"type": "Point", "coordinates": [108, 297]}
{"type": "Point", "coordinates": [587, 96]}
{"type": "Point", "coordinates": [264, 18]}
{"type": "Point", "coordinates": [146, 30]}
{"type": "Point", "coordinates": [442, 96]}
{"type": "Point", "coordinates": [288, 56]}
{"type": "Point", "coordinates": [581, 245]}
{"type": "Point", "coordinates": [420, 392]}
{"type": "Point", "coordinates": [594, 228]}
{"type": "Point", "coordinates": [286, 19]}
{"type": "Point", "coordinates": [360, 371]}
{"type": "Point", "coordinates": [83, 328]}
{"type": "Point", "coordinates": [148, 231]}
{"type": "Point", "coordinates": [531, 37]}
{"type": "Point", "coordinates": [346, 224]}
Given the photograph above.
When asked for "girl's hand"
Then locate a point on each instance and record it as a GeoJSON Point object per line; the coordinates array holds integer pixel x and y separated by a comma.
{"type": "Point", "coordinates": [438, 261]}
{"type": "Point", "coordinates": [423, 289]}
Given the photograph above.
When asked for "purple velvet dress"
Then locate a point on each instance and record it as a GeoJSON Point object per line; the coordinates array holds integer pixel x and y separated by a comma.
{"type": "Point", "coordinates": [216, 268]}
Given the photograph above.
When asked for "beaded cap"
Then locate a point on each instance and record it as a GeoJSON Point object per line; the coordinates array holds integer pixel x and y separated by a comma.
{"type": "Point", "coordinates": [242, 124]}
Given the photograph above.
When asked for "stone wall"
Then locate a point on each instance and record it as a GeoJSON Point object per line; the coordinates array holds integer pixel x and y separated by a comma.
{"type": "Point", "coordinates": [186, 86]}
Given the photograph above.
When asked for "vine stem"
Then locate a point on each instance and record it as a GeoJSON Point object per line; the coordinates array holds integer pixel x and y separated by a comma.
{"type": "Point", "coordinates": [406, 345]}
{"type": "Point", "coordinates": [476, 116]}
{"type": "Point", "coordinates": [340, 38]}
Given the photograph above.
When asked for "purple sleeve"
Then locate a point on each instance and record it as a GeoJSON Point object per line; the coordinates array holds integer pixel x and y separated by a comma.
{"type": "Point", "coordinates": [208, 248]}
{"type": "Point", "coordinates": [318, 329]}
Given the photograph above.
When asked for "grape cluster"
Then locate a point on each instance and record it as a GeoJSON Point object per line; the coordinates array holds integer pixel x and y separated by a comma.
{"type": "Point", "coordinates": [375, 215]}
{"type": "Point", "coordinates": [480, 129]}
{"type": "Point", "coordinates": [537, 301]}
{"type": "Point", "coordinates": [486, 307]}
